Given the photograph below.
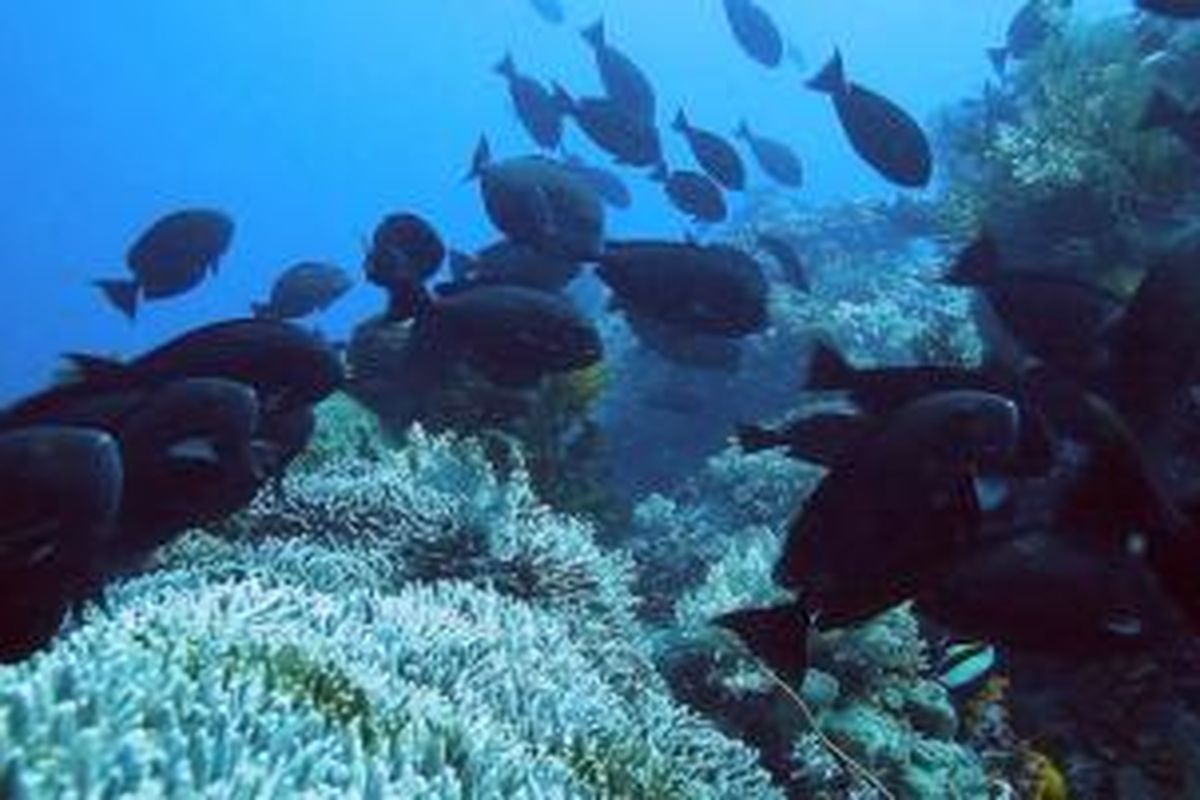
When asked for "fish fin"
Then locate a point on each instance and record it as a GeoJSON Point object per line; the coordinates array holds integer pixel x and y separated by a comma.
{"type": "Point", "coordinates": [121, 293]}
{"type": "Point", "coordinates": [660, 173]}
{"type": "Point", "coordinates": [96, 369]}
{"type": "Point", "coordinates": [828, 369]}
{"type": "Point", "coordinates": [999, 58]}
{"type": "Point", "coordinates": [480, 160]}
{"type": "Point", "coordinates": [506, 66]}
{"type": "Point", "coordinates": [978, 263]}
{"type": "Point", "coordinates": [594, 34]}
{"type": "Point", "coordinates": [777, 636]}
{"type": "Point", "coordinates": [680, 122]}
{"type": "Point", "coordinates": [742, 131]}
{"type": "Point", "coordinates": [754, 438]}
{"type": "Point", "coordinates": [1162, 111]}
{"type": "Point", "coordinates": [832, 77]}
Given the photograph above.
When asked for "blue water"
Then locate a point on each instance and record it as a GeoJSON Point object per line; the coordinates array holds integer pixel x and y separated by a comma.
{"type": "Point", "coordinates": [307, 120]}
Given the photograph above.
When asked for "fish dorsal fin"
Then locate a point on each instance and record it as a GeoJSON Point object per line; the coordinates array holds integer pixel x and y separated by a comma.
{"type": "Point", "coordinates": [777, 636]}
{"type": "Point", "coordinates": [828, 369]}
{"type": "Point", "coordinates": [88, 368]}
{"type": "Point", "coordinates": [480, 160]}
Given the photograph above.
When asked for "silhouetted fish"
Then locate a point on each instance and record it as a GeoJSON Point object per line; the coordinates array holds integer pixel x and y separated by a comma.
{"type": "Point", "coordinates": [714, 154]}
{"type": "Point", "coordinates": [540, 115]}
{"type": "Point", "coordinates": [170, 258]}
{"type": "Point", "coordinates": [826, 438]}
{"type": "Point", "coordinates": [285, 364]}
{"type": "Point", "coordinates": [624, 82]}
{"type": "Point", "coordinates": [693, 193]}
{"type": "Point", "coordinates": [906, 496]}
{"type": "Point", "coordinates": [540, 203]}
{"type": "Point", "coordinates": [711, 289]}
{"type": "Point", "coordinates": [303, 289]}
{"type": "Point", "coordinates": [881, 132]}
{"type": "Point", "coordinates": [60, 488]}
{"type": "Point", "coordinates": [755, 31]}
{"type": "Point", "coordinates": [611, 125]}
{"type": "Point", "coordinates": [606, 183]}
{"type": "Point", "coordinates": [774, 157]}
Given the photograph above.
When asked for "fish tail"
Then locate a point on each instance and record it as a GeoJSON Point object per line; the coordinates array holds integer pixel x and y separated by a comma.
{"type": "Point", "coordinates": [976, 264]}
{"type": "Point", "coordinates": [480, 160]}
{"type": "Point", "coordinates": [743, 130]}
{"type": "Point", "coordinates": [999, 58]}
{"type": "Point", "coordinates": [777, 636]}
{"type": "Point", "coordinates": [1162, 111]}
{"type": "Point", "coordinates": [121, 293]}
{"type": "Point", "coordinates": [832, 77]}
{"type": "Point", "coordinates": [755, 438]}
{"type": "Point", "coordinates": [594, 34]}
{"type": "Point", "coordinates": [506, 66]}
{"type": "Point", "coordinates": [95, 369]}
{"type": "Point", "coordinates": [407, 299]}
{"type": "Point", "coordinates": [828, 369]}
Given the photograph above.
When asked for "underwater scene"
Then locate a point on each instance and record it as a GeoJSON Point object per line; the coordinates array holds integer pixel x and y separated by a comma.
{"type": "Point", "coordinates": [600, 399]}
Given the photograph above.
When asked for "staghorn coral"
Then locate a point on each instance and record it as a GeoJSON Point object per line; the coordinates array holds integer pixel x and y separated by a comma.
{"type": "Point", "coordinates": [328, 661]}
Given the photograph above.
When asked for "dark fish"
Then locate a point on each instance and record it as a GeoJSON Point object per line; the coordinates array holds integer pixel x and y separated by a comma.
{"type": "Point", "coordinates": [1056, 317]}
{"type": "Point", "coordinates": [509, 264]}
{"type": "Point", "coordinates": [1051, 594]}
{"type": "Point", "coordinates": [549, 10]}
{"type": "Point", "coordinates": [774, 157]}
{"type": "Point", "coordinates": [881, 132]}
{"type": "Point", "coordinates": [790, 266]}
{"type": "Point", "coordinates": [60, 488]}
{"type": "Point", "coordinates": [827, 438]}
{"type": "Point", "coordinates": [604, 182]}
{"type": "Point", "coordinates": [1154, 345]}
{"type": "Point", "coordinates": [693, 193]}
{"type": "Point", "coordinates": [906, 497]}
{"type": "Point", "coordinates": [755, 31]}
{"type": "Point", "coordinates": [685, 347]}
{"type": "Point", "coordinates": [540, 115]}
{"type": "Point", "coordinates": [1179, 9]}
{"type": "Point", "coordinates": [405, 251]}
{"type": "Point", "coordinates": [1164, 112]}
{"type": "Point", "coordinates": [711, 289]}
{"type": "Point", "coordinates": [624, 84]}
{"type": "Point", "coordinates": [171, 258]}
{"type": "Point", "coordinates": [630, 139]}
{"type": "Point", "coordinates": [189, 460]}
{"type": "Point", "coordinates": [286, 365]}
{"type": "Point", "coordinates": [540, 203]}
{"type": "Point", "coordinates": [511, 335]}
{"type": "Point", "coordinates": [714, 154]}
{"type": "Point", "coordinates": [1027, 31]}
{"type": "Point", "coordinates": [303, 289]}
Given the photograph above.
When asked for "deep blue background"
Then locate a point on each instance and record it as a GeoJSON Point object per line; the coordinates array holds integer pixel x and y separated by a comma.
{"type": "Point", "coordinates": [309, 119]}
